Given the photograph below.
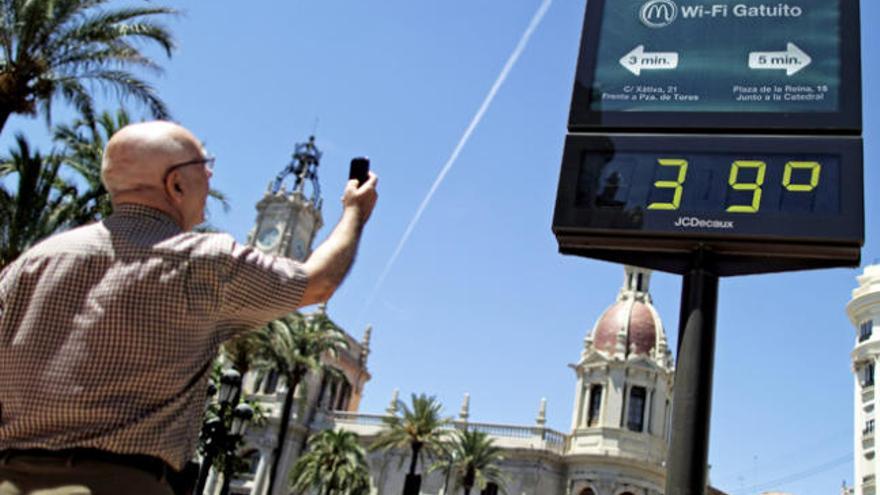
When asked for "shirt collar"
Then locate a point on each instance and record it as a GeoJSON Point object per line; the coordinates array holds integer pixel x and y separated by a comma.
{"type": "Point", "coordinates": [143, 211]}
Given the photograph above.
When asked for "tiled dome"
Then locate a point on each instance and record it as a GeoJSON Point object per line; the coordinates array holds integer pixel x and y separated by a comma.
{"type": "Point", "coordinates": [630, 325]}
{"type": "Point", "coordinates": [641, 336]}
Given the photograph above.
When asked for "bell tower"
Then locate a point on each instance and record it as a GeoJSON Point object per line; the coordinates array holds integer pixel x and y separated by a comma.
{"type": "Point", "coordinates": [289, 215]}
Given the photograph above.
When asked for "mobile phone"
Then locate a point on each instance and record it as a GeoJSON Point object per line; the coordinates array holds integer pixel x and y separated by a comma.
{"type": "Point", "coordinates": [360, 169]}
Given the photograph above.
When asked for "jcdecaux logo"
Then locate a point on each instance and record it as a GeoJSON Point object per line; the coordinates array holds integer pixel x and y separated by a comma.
{"type": "Point", "coordinates": [661, 13]}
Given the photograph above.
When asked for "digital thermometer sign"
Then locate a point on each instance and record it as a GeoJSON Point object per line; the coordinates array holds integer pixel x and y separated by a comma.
{"type": "Point", "coordinates": [730, 128]}
{"type": "Point", "coordinates": [745, 198]}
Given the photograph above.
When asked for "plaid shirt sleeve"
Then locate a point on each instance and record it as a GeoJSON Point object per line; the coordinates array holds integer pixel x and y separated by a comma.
{"type": "Point", "coordinates": [257, 288]}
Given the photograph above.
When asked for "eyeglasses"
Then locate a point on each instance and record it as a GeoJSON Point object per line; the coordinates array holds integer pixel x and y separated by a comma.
{"type": "Point", "coordinates": [207, 161]}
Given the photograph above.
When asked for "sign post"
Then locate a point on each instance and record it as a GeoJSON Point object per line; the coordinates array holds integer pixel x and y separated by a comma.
{"type": "Point", "coordinates": [712, 139]}
{"type": "Point", "coordinates": [687, 461]}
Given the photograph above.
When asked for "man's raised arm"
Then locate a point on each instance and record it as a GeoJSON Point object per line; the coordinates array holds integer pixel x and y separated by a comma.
{"type": "Point", "coordinates": [331, 261]}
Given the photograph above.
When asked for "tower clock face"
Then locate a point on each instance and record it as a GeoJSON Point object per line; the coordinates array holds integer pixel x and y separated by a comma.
{"type": "Point", "coordinates": [268, 237]}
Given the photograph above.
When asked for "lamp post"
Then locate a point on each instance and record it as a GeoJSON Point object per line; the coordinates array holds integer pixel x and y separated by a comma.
{"type": "Point", "coordinates": [214, 430]}
{"type": "Point", "coordinates": [240, 417]}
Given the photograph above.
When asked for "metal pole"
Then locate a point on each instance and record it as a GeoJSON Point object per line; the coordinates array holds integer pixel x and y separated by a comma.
{"type": "Point", "coordinates": [687, 461]}
{"type": "Point", "coordinates": [204, 469]}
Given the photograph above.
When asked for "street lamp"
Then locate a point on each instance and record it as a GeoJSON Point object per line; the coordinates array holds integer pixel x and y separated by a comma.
{"type": "Point", "coordinates": [214, 430]}
{"type": "Point", "coordinates": [230, 386]}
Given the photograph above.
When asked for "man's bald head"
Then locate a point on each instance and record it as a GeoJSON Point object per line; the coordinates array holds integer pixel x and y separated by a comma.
{"type": "Point", "coordinates": [138, 155]}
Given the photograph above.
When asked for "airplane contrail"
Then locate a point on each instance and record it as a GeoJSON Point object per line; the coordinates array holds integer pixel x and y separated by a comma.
{"type": "Point", "coordinates": [511, 61]}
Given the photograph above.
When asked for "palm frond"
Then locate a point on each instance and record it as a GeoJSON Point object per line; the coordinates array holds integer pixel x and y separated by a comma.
{"type": "Point", "coordinates": [126, 84]}
{"type": "Point", "coordinates": [51, 48]}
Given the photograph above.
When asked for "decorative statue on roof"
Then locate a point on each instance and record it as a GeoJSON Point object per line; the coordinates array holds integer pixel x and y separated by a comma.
{"type": "Point", "coordinates": [303, 167]}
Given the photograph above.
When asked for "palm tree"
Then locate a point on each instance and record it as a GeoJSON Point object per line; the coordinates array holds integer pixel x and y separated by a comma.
{"type": "Point", "coordinates": [335, 464]}
{"type": "Point", "coordinates": [39, 204]}
{"type": "Point", "coordinates": [58, 48]}
{"type": "Point", "coordinates": [473, 460]}
{"type": "Point", "coordinates": [293, 346]}
{"type": "Point", "coordinates": [420, 428]}
{"type": "Point", "coordinates": [84, 143]}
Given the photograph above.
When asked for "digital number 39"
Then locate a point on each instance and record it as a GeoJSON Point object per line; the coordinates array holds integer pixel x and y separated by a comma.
{"type": "Point", "coordinates": [677, 185]}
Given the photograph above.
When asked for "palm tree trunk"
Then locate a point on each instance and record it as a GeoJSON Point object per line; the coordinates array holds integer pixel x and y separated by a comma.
{"type": "Point", "coordinates": [416, 448]}
{"type": "Point", "coordinates": [4, 116]}
{"type": "Point", "coordinates": [282, 433]}
{"type": "Point", "coordinates": [469, 479]}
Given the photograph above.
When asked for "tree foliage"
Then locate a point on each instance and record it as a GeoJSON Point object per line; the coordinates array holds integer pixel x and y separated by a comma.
{"type": "Point", "coordinates": [334, 464]}
{"type": "Point", "coordinates": [293, 346]}
{"type": "Point", "coordinates": [36, 206]}
{"type": "Point", "coordinates": [420, 428]}
{"type": "Point", "coordinates": [68, 48]}
{"type": "Point", "coordinates": [472, 460]}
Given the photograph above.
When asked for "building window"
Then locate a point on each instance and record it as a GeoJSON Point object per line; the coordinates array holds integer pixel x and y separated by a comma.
{"type": "Point", "coordinates": [343, 396]}
{"type": "Point", "coordinates": [587, 491]}
{"type": "Point", "coordinates": [869, 427]}
{"type": "Point", "coordinates": [636, 415]}
{"type": "Point", "coordinates": [865, 330]}
{"type": "Point", "coordinates": [868, 375]}
{"type": "Point", "coordinates": [595, 405]}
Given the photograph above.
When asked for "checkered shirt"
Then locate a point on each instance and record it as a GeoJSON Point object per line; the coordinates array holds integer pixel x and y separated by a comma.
{"type": "Point", "coordinates": [108, 331]}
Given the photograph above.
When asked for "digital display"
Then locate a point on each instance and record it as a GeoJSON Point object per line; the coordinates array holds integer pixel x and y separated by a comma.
{"type": "Point", "coordinates": [711, 184]}
{"type": "Point", "coordinates": [732, 64]}
{"type": "Point", "coordinates": [672, 193]}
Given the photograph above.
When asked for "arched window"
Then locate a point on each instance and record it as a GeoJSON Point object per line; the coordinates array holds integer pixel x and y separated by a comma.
{"type": "Point", "coordinates": [343, 396]}
{"type": "Point", "coordinates": [587, 491]}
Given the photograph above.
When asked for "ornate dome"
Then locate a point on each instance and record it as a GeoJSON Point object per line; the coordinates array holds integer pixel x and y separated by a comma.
{"type": "Point", "coordinates": [631, 325]}
{"type": "Point", "coordinates": [633, 319]}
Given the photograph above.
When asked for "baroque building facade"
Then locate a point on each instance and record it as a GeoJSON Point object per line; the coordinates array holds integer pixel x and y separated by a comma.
{"type": "Point", "coordinates": [864, 313]}
{"type": "Point", "coordinates": [620, 417]}
{"type": "Point", "coordinates": [621, 405]}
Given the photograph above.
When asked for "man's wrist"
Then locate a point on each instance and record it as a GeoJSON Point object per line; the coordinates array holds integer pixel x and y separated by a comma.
{"type": "Point", "coordinates": [355, 215]}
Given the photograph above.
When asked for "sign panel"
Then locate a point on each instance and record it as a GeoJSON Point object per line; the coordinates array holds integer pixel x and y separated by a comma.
{"type": "Point", "coordinates": [728, 64]}
{"type": "Point", "coordinates": [748, 196]}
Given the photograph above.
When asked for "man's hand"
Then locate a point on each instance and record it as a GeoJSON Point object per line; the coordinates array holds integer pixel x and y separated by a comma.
{"type": "Point", "coordinates": [361, 200]}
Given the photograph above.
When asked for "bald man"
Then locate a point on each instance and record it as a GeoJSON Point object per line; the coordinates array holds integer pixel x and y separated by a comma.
{"type": "Point", "coordinates": [107, 332]}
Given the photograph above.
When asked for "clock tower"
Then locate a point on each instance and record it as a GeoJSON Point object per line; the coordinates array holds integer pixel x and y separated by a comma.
{"type": "Point", "coordinates": [289, 215]}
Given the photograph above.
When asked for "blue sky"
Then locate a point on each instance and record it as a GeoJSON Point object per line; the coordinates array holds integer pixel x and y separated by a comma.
{"type": "Point", "coordinates": [479, 300]}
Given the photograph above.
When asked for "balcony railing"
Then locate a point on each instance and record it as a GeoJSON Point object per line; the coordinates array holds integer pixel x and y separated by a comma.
{"type": "Point", "coordinates": [551, 439]}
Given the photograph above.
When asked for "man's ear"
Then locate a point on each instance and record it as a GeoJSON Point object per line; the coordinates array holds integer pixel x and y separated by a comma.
{"type": "Point", "coordinates": [173, 187]}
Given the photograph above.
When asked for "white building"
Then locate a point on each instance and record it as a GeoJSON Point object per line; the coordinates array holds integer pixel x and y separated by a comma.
{"type": "Point", "coordinates": [620, 416]}
{"type": "Point", "coordinates": [864, 313]}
